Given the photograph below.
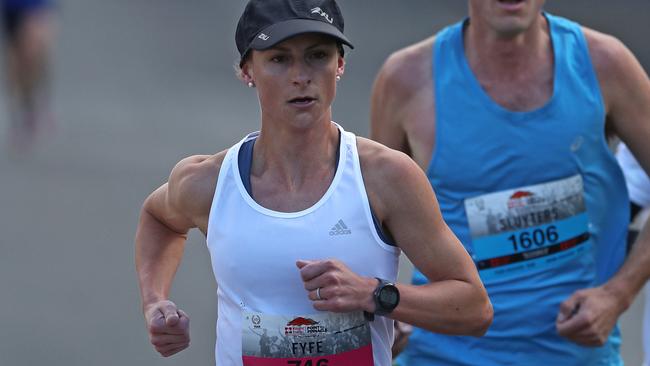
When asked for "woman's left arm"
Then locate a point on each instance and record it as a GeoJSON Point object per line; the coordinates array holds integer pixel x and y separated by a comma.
{"type": "Point", "coordinates": [454, 301]}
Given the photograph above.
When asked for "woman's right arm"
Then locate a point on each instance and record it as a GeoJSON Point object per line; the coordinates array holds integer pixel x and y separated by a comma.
{"type": "Point", "coordinates": [166, 217]}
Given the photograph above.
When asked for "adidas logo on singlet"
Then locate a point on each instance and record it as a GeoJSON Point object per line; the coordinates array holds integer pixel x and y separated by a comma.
{"type": "Point", "coordinates": [340, 229]}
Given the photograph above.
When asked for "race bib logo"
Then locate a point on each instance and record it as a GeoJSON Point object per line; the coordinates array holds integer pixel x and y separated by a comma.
{"type": "Point", "coordinates": [304, 327]}
{"type": "Point", "coordinates": [522, 199]}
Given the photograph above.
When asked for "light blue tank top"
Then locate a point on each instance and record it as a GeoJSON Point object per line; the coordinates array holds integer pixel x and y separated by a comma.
{"type": "Point", "coordinates": [536, 198]}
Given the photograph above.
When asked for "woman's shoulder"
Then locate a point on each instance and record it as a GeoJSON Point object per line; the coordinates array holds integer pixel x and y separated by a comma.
{"type": "Point", "coordinates": [393, 181]}
{"type": "Point", "coordinates": [378, 159]}
{"type": "Point", "coordinates": [193, 180]}
{"type": "Point", "coordinates": [387, 171]}
{"type": "Point", "coordinates": [197, 168]}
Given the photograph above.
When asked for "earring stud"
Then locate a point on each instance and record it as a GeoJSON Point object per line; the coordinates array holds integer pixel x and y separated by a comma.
{"type": "Point", "coordinates": [338, 77]}
{"type": "Point", "coordinates": [251, 84]}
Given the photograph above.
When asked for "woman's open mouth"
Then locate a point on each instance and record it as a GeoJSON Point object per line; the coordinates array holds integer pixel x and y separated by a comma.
{"type": "Point", "coordinates": [302, 101]}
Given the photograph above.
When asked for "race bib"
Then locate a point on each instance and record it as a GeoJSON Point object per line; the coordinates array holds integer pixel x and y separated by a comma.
{"type": "Point", "coordinates": [324, 339]}
{"type": "Point", "coordinates": [519, 231]}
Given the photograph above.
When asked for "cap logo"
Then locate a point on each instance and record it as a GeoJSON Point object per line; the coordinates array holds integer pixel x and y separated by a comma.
{"type": "Point", "coordinates": [320, 12]}
{"type": "Point", "coordinates": [263, 37]}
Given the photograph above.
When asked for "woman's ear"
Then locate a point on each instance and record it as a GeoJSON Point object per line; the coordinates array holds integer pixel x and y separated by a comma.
{"type": "Point", "coordinates": [340, 70]}
{"type": "Point", "coordinates": [247, 74]}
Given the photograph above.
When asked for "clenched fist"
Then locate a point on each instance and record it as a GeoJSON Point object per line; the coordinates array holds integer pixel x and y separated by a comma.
{"type": "Point", "coordinates": [332, 286]}
{"type": "Point", "coordinates": [168, 326]}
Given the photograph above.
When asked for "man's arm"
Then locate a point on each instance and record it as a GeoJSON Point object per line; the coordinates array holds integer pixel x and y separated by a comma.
{"type": "Point", "coordinates": [626, 92]}
{"type": "Point", "coordinates": [386, 103]}
{"type": "Point", "coordinates": [402, 103]}
{"type": "Point", "coordinates": [167, 215]}
{"type": "Point", "coordinates": [629, 115]}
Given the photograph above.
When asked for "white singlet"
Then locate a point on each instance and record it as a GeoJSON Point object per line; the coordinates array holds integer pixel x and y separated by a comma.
{"type": "Point", "coordinates": [264, 314]}
{"type": "Point", "coordinates": [636, 179]}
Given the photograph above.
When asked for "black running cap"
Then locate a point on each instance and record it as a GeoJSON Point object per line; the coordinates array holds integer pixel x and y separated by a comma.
{"type": "Point", "coordinates": [265, 23]}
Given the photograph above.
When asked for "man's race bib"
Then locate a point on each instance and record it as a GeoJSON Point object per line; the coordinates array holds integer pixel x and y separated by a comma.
{"type": "Point", "coordinates": [519, 231]}
{"type": "Point", "coordinates": [324, 339]}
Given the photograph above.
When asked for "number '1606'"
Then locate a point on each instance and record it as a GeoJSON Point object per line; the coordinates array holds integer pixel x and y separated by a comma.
{"type": "Point", "coordinates": [538, 237]}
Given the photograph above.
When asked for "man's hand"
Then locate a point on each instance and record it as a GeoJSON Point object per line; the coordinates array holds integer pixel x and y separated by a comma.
{"type": "Point", "coordinates": [168, 326]}
{"type": "Point", "coordinates": [588, 317]}
{"type": "Point", "coordinates": [340, 289]}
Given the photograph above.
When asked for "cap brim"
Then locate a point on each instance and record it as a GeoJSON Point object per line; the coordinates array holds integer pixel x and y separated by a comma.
{"type": "Point", "coordinates": [278, 32]}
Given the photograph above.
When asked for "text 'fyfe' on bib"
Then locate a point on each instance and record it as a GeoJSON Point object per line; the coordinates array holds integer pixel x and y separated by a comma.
{"type": "Point", "coordinates": [323, 339]}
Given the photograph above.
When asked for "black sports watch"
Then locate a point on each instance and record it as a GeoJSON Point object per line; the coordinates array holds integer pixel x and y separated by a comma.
{"type": "Point", "coordinates": [386, 297]}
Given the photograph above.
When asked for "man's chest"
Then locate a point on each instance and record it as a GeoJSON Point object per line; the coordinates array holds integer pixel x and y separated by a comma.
{"type": "Point", "coordinates": [521, 92]}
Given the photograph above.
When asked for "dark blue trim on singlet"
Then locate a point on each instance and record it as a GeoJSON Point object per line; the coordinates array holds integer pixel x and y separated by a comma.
{"type": "Point", "coordinates": [245, 161]}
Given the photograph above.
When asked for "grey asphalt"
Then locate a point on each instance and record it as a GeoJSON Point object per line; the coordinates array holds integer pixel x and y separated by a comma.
{"type": "Point", "coordinates": [138, 85]}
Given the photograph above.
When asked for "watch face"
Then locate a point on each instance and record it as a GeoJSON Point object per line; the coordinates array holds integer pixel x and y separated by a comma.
{"type": "Point", "coordinates": [388, 296]}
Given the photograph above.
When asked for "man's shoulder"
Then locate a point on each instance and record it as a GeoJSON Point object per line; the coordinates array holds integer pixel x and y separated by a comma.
{"type": "Point", "coordinates": [608, 53]}
{"type": "Point", "coordinates": [616, 67]}
{"type": "Point", "coordinates": [409, 69]}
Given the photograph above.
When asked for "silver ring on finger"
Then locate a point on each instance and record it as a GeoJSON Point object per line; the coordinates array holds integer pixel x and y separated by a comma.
{"type": "Point", "coordinates": [318, 294]}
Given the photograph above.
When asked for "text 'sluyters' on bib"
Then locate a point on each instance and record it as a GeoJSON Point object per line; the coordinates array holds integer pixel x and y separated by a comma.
{"type": "Point", "coordinates": [324, 339]}
{"type": "Point", "coordinates": [520, 231]}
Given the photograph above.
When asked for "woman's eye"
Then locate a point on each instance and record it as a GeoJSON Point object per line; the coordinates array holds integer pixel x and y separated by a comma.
{"type": "Point", "coordinates": [277, 59]}
{"type": "Point", "coordinates": [319, 55]}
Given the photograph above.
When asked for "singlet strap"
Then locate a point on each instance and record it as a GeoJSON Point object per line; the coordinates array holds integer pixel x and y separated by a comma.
{"type": "Point", "coordinates": [245, 161]}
